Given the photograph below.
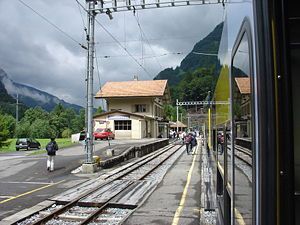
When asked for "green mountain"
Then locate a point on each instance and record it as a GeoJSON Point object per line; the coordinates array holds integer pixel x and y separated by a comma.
{"type": "Point", "coordinates": [193, 61]}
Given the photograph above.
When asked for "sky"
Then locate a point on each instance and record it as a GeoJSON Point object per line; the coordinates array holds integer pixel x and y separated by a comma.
{"type": "Point", "coordinates": [35, 53]}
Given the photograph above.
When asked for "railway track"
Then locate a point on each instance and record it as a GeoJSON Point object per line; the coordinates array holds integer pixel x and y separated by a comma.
{"type": "Point", "coordinates": [113, 198]}
{"type": "Point", "coordinates": [244, 154]}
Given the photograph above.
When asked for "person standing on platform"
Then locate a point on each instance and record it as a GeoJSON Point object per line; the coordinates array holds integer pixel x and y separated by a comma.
{"type": "Point", "coordinates": [51, 148]}
{"type": "Point", "coordinates": [187, 141]}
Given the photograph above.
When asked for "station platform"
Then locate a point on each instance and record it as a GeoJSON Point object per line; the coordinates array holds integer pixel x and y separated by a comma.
{"type": "Point", "coordinates": [185, 195]}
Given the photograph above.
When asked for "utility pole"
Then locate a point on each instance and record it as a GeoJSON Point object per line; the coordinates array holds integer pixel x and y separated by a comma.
{"type": "Point", "coordinates": [17, 109]}
{"type": "Point", "coordinates": [176, 115]}
{"type": "Point", "coordinates": [88, 167]}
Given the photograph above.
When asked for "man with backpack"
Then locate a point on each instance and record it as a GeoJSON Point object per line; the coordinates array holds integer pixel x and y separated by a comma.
{"type": "Point", "coordinates": [51, 149]}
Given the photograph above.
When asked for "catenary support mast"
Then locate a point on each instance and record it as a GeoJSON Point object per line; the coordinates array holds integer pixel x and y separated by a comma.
{"type": "Point", "coordinates": [90, 80]}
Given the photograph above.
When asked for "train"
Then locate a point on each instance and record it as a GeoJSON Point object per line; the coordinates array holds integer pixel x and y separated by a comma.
{"type": "Point", "coordinates": [255, 133]}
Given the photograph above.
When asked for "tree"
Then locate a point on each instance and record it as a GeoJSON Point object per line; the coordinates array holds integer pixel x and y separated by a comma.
{"type": "Point", "coordinates": [59, 119]}
{"type": "Point", "coordinates": [23, 129]}
{"type": "Point", "coordinates": [41, 129]}
{"type": "Point", "coordinates": [33, 114]}
{"type": "Point", "coordinates": [78, 123]}
{"type": "Point", "coordinates": [9, 123]}
{"type": "Point", "coordinates": [4, 132]}
{"type": "Point", "coordinates": [99, 111]}
{"type": "Point", "coordinates": [171, 112]}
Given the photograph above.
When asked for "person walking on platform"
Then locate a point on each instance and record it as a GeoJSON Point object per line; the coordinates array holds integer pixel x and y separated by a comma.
{"type": "Point", "coordinates": [193, 142]}
{"type": "Point", "coordinates": [187, 141]}
{"type": "Point", "coordinates": [51, 148]}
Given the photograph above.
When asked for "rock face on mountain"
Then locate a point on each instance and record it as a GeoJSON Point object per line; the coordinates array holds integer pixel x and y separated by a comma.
{"type": "Point", "coordinates": [29, 96]}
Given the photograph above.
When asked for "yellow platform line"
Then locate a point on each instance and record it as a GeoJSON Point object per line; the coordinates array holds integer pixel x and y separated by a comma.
{"type": "Point", "coordinates": [29, 192]}
{"type": "Point", "coordinates": [183, 197]}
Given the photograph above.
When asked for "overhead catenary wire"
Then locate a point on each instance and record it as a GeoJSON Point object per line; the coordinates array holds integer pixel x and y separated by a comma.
{"type": "Point", "coordinates": [143, 34]}
{"type": "Point", "coordinates": [98, 73]}
{"type": "Point", "coordinates": [83, 22]}
{"type": "Point", "coordinates": [145, 56]}
{"type": "Point", "coordinates": [118, 42]}
{"type": "Point", "coordinates": [52, 24]}
{"type": "Point", "coordinates": [154, 39]}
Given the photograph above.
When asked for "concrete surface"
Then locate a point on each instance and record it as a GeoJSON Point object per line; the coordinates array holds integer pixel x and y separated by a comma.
{"type": "Point", "coordinates": [25, 181]}
{"type": "Point", "coordinates": [178, 194]}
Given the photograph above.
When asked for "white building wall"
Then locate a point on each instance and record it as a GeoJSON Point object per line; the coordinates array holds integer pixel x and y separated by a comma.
{"type": "Point", "coordinates": [143, 128]}
{"type": "Point", "coordinates": [136, 129]}
{"type": "Point", "coordinates": [127, 104]}
{"type": "Point", "coordinates": [123, 134]}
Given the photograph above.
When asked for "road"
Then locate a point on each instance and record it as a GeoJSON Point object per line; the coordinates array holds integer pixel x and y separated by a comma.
{"type": "Point", "coordinates": [25, 181]}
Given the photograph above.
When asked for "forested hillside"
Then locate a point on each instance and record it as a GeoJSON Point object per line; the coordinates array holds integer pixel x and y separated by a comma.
{"type": "Point", "coordinates": [198, 71]}
{"type": "Point", "coordinates": [8, 103]}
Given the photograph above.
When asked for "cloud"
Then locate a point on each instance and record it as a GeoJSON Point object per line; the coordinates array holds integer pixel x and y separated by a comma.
{"type": "Point", "coordinates": [35, 53]}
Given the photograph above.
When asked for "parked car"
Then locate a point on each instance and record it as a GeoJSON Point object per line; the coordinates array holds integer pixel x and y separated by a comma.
{"type": "Point", "coordinates": [103, 134]}
{"type": "Point", "coordinates": [27, 143]}
{"type": "Point", "coordinates": [82, 135]}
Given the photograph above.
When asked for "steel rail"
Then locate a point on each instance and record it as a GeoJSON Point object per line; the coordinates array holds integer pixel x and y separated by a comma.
{"type": "Point", "coordinates": [76, 200]}
{"type": "Point", "coordinates": [96, 213]}
{"type": "Point", "coordinates": [141, 160]}
{"type": "Point", "coordinates": [243, 152]}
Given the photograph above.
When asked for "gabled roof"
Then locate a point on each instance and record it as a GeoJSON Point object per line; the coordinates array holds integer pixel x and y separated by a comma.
{"type": "Point", "coordinates": [135, 88]}
{"type": "Point", "coordinates": [121, 112]}
{"type": "Point", "coordinates": [243, 84]}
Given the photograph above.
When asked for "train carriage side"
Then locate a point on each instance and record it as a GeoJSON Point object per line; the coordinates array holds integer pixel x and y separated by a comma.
{"type": "Point", "coordinates": [258, 162]}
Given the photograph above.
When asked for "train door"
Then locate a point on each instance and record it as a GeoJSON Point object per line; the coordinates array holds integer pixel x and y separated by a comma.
{"type": "Point", "coordinates": [287, 66]}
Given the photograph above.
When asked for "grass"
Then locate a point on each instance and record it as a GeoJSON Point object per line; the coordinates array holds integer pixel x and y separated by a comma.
{"type": "Point", "coordinates": [62, 143]}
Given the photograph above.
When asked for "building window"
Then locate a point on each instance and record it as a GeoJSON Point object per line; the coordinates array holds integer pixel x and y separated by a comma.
{"type": "Point", "coordinates": [141, 108]}
{"type": "Point", "coordinates": [122, 124]}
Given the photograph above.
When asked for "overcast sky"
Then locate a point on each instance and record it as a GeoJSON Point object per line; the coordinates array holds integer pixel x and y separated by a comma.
{"type": "Point", "coordinates": [33, 52]}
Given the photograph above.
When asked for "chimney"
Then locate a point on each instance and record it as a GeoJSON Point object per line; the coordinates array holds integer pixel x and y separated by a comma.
{"type": "Point", "coordinates": [135, 77]}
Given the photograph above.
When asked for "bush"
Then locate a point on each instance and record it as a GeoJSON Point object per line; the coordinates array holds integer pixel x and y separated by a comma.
{"type": "Point", "coordinates": [66, 133]}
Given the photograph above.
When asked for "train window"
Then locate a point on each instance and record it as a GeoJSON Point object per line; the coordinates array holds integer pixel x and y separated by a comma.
{"type": "Point", "coordinates": [242, 130]}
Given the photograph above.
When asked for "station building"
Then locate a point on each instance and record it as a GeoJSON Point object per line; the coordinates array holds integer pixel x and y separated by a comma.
{"type": "Point", "coordinates": [134, 108]}
{"type": "Point", "coordinates": [243, 106]}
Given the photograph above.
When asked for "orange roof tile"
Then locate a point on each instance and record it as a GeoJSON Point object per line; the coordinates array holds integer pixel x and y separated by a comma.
{"type": "Point", "coordinates": [243, 84]}
{"type": "Point", "coordinates": [135, 88]}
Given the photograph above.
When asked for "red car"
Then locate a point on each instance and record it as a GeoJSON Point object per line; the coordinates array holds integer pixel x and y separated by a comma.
{"type": "Point", "coordinates": [103, 134]}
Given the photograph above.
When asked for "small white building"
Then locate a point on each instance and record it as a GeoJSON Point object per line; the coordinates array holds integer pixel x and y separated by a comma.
{"type": "Point", "coordinates": [135, 108]}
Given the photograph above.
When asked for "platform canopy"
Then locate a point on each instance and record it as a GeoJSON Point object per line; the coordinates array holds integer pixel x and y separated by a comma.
{"type": "Point", "coordinates": [177, 124]}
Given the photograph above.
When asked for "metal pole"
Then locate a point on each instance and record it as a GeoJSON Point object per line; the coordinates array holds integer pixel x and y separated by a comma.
{"type": "Point", "coordinates": [176, 115]}
{"type": "Point", "coordinates": [90, 90]}
{"type": "Point", "coordinates": [209, 129]}
{"type": "Point", "coordinates": [86, 86]}
{"type": "Point", "coordinates": [17, 109]}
